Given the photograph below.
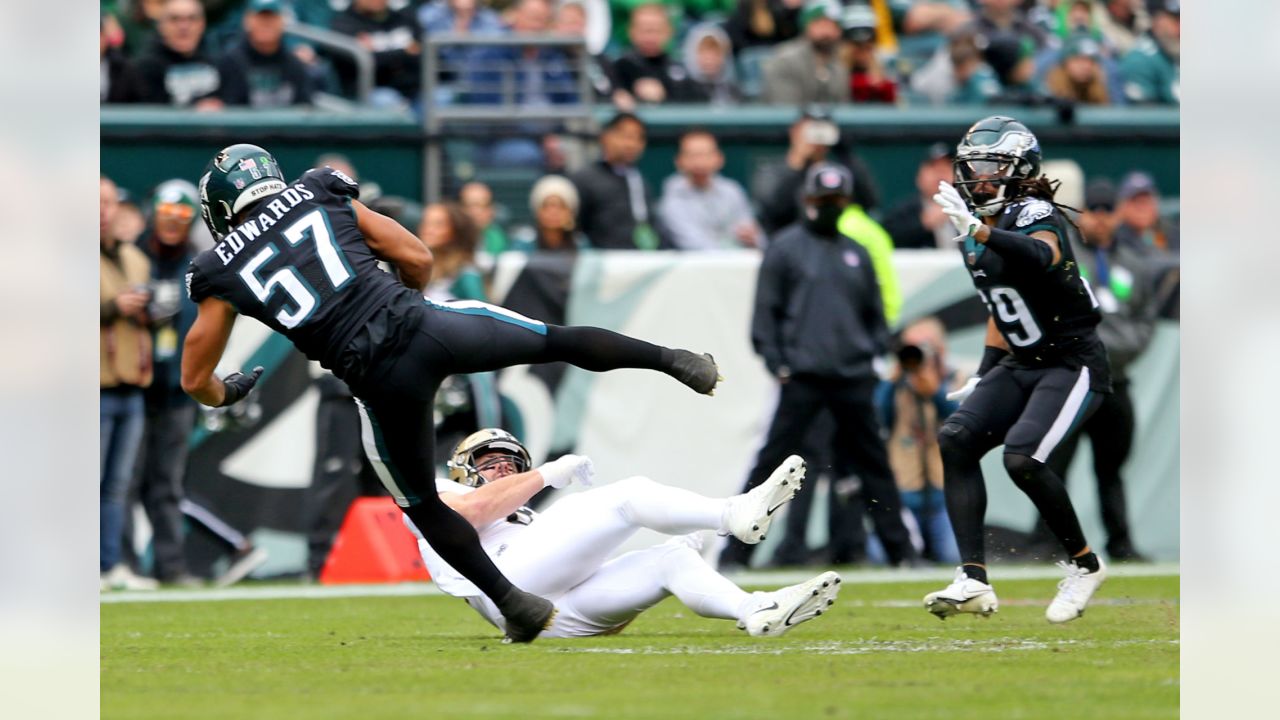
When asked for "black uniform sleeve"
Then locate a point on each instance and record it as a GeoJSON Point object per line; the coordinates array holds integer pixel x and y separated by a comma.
{"type": "Point", "coordinates": [334, 181]}
{"type": "Point", "coordinates": [198, 286]}
{"type": "Point", "coordinates": [1012, 240]}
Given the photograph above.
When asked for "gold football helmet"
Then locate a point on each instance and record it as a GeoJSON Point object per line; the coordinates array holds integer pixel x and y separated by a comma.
{"type": "Point", "coordinates": [498, 443]}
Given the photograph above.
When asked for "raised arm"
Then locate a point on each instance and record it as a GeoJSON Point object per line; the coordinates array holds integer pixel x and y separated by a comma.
{"type": "Point", "coordinates": [499, 498]}
{"type": "Point", "coordinates": [390, 241]}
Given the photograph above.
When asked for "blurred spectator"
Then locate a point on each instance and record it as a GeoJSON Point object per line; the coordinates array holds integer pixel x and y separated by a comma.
{"type": "Point", "coordinates": [118, 81]}
{"type": "Point", "coordinates": [710, 57]}
{"type": "Point", "coordinates": [763, 23]}
{"type": "Point", "coordinates": [1013, 59]}
{"type": "Point", "coordinates": [1140, 226]}
{"type": "Point", "coordinates": [819, 338]}
{"type": "Point", "coordinates": [1121, 22]}
{"type": "Point", "coordinates": [1079, 76]}
{"type": "Point", "coordinates": [918, 223]}
{"type": "Point", "coordinates": [615, 208]}
{"type": "Point", "coordinates": [647, 71]}
{"type": "Point", "coordinates": [918, 17]}
{"type": "Point", "coordinates": [176, 69]}
{"type": "Point", "coordinates": [1124, 287]}
{"type": "Point", "coordinates": [138, 21]}
{"type": "Point", "coordinates": [125, 370]}
{"type": "Point", "coordinates": [476, 199]}
{"type": "Point", "coordinates": [259, 71]}
{"type": "Point", "coordinates": [912, 406]}
{"type": "Point", "coordinates": [170, 412]}
{"type": "Point", "coordinates": [623, 12]}
{"type": "Point", "coordinates": [554, 202]}
{"type": "Point", "coordinates": [448, 232]}
{"type": "Point", "coordinates": [956, 74]}
{"type": "Point", "coordinates": [467, 17]}
{"type": "Point", "coordinates": [130, 221]}
{"type": "Point", "coordinates": [542, 76]}
{"type": "Point", "coordinates": [869, 80]}
{"type": "Point", "coordinates": [808, 68]}
{"type": "Point", "coordinates": [775, 187]}
{"type": "Point", "coordinates": [1151, 68]}
{"type": "Point", "coordinates": [1073, 17]}
{"type": "Point", "coordinates": [1011, 40]}
{"type": "Point", "coordinates": [572, 20]}
{"type": "Point", "coordinates": [860, 227]}
{"type": "Point", "coordinates": [392, 37]}
{"type": "Point", "coordinates": [703, 209]}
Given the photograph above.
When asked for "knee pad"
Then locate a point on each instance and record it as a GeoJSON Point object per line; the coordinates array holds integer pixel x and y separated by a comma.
{"type": "Point", "coordinates": [956, 442]}
{"type": "Point", "coordinates": [1021, 467]}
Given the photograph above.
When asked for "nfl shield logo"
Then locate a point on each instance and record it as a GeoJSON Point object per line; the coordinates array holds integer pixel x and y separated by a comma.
{"type": "Point", "coordinates": [239, 183]}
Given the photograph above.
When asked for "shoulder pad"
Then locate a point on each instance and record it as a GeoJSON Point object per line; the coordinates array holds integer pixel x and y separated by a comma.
{"type": "Point", "coordinates": [335, 181]}
{"type": "Point", "coordinates": [1032, 210]}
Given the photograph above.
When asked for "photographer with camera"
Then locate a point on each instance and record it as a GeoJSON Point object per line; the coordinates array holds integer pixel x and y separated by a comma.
{"type": "Point", "coordinates": [912, 406]}
{"type": "Point", "coordinates": [814, 138]}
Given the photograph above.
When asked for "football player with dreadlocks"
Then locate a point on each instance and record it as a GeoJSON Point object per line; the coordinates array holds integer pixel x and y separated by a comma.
{"type": "Point", "coordinates": [1043, 367]}
{"type": "Point", "coordinates": [302, 257]}
{"type": "Point", "coordinates": [563, 553]}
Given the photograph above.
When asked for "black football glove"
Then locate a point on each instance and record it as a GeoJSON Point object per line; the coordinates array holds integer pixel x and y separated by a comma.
{"type": "Point", "coordinates": [238, 385]}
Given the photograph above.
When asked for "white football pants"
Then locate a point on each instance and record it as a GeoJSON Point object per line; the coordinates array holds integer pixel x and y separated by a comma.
{"type": "Point", "coordinates": [562, 557]}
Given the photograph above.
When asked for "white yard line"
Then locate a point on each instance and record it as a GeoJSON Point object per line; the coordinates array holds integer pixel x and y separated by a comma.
{"type": "Point", "coordinates": [751, 578]}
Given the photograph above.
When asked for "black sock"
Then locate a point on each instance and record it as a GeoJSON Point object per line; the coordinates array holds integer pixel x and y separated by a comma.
{"type": "Point", "coordinates": [1088, 561]}
{"type": "Point", "coordinates": [977, 572]}
{"type": "Point", "coordinates": [600, 350]}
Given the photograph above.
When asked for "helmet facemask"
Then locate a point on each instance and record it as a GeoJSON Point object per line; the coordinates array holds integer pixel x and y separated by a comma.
{"type": "Point", "coordinates": [483, 450]}
{"type": "Point", "coordinates": [987, 182]}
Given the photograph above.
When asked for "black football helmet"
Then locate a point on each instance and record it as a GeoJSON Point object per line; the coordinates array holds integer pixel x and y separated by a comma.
{"type": "Point", "coordinates": [992, 160]}
{"type": "Point", "coordinates": [236, 177]}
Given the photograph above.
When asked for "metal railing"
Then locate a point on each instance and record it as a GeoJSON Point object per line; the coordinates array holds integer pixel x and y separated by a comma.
{"type": "Point", "coordinates": [343, 45]}
{"type": "Point", "coordinates": [493, 90]}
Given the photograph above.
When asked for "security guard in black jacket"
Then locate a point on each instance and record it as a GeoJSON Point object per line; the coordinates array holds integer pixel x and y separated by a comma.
{"type": "Point", "coordinates": [819, 323]}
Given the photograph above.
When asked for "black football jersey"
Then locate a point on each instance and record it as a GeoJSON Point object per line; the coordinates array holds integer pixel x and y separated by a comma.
{"type": "Point", "coordinates": [1043, 315]}
{"type": "Point", "coordinates": [299, 264]}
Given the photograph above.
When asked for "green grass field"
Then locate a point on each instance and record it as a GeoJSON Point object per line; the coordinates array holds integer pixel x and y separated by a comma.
{"type": "Point", "coordinates": [877, 654]}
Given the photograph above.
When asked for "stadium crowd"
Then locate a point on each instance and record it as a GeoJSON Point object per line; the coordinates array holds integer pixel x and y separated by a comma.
{"type": "Point", "coordinates": [813, 55]}
{"type": "Point", "coordinates": [210, 54]}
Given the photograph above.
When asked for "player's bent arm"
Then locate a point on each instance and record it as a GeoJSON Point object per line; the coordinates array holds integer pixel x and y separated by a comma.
{"type": "Point", "coordinates": [203, 348]}
{"type": "Point", "coordinates": [1039, 249]}
{"type": "Point", "coordinates": [495, 500]}
{"type": "Point", "coordinates": [390, 241]}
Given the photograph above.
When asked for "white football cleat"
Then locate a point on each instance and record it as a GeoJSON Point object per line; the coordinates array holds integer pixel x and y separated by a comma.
{"type": "Point", "coordinates": [963, 595]}
{"type": "Point", "coordinates": [790, 606]}
{"type": "Point", "coordinates": [748, 515]}
{"type": "Point", "coordinates": [1074, 592]}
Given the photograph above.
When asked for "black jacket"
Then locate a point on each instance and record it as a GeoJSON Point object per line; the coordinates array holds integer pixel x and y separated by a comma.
{"type": "Point", "coordinates": [818, 308]}
{"type": "Point", "coordinates": [168, 78]}
{"type": "Point", "coordinates": [393, 34]}
{"type": "Point", "coordinates": [904, 226]}
{"type": "Point", "coordinates": [263, 81]}
{"type": "Point", "coordinates": [775, 189]}
{"type": "Point", "coordinates": [604, 209]}
{"type": "Point", "coordinates": [119, 79]}
{"type": "Point", "coordinates": [675, 78]}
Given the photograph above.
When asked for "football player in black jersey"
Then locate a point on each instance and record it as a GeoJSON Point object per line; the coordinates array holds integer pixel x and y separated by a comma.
{"type": "Point", "coordinates": [302, 257]}
{"type": "Point", "coordinates": [1043, 367]}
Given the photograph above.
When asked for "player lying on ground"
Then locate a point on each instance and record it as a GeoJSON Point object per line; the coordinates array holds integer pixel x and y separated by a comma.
{"type": "Point", "coordinates": [1043, 368]}
{"type": "Point", "coordinates": [563, 552]}
{"type": "Point", "coordinates": [302, 257]}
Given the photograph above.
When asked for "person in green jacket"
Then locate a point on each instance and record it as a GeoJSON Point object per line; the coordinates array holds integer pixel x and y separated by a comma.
{"type": "Point", "coordinates": [1150, 69]}
{"type": "Point", "coordinates": [856, 224]}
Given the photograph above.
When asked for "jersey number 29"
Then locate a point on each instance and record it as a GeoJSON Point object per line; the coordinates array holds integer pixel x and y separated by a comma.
{"type": "Point", "coordinates": [315, 224]}
{"type": "Point", "coordinates": [1006, 304]}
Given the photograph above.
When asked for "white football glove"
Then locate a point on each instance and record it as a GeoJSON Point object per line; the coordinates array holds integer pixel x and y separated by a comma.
{"type": "Point", "coordinates": [570, 468]}
{"type": "Point", "coordinates": [964, 391]}
{"type": "Point", "coordinates": [948, 198]}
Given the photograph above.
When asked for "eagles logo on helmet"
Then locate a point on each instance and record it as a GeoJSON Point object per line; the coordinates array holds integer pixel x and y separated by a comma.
{"type": "Point", "coordinates": [992, 161]}
{"type": "Point", "coordinates": [498, 445]}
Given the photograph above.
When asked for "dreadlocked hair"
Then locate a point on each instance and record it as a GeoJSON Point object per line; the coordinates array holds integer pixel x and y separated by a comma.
{"type": "Point", "coordinates": [1042, 188]}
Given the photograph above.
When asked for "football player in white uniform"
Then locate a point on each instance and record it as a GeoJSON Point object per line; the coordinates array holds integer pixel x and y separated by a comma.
{"type": "Point", "coordinates": [563, 553]}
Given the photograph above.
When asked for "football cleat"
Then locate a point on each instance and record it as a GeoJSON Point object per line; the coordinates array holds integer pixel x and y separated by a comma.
{"type": "Point", "coordinates": [963, 595]}
{"type": "Point", "coordinates": [699, 372]}
{"type": "Point", "coordinates": [785, 608]}
{"type": "Point", "coordinates": [1074, 592]}
{"type": "Point", "coordinates": [526, 617]}
{"type": "Point", "coordinates": [748, 515]}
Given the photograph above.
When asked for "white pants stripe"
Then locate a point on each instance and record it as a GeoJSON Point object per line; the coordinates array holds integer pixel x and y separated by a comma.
{"type": "Point", "coordinates": [1070, 409]}
{"type": "Point", "coordinates": [370, 443]}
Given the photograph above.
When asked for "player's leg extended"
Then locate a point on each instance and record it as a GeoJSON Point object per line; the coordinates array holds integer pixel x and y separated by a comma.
{"type": "Point", "coordinates": [798, 404]}
{"type": "Point", "coordinates": [398, 436]}
{"type": "Point", "coordinates": [1060, 401]}
{"type": "Point", "coordinates": [484, 337]}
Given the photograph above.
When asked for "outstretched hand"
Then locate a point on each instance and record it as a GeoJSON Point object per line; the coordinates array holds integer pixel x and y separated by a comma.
{"type": "Point", "coordinates": [948, 198]}
{"type": "Point", "coordinates": [238, 385]}
{"type": "Point", "coordinates": [567, 469]}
